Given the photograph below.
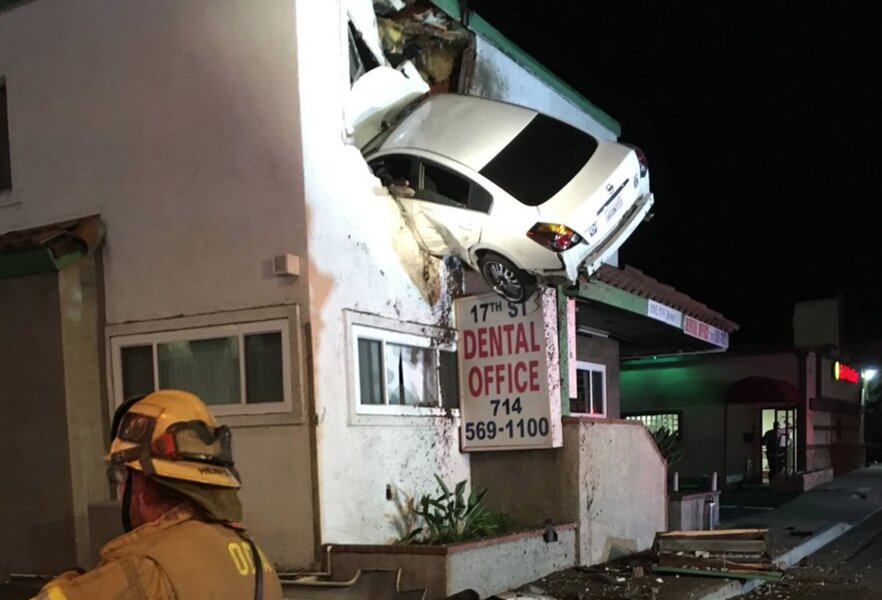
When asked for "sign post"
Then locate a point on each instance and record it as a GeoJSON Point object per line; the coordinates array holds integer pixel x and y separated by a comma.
{"type": "Point", "coordinates": [509, 373]}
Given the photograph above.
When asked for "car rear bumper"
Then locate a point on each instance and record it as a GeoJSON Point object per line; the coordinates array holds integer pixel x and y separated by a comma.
{"type": "Point", "coordinates": [590, 258]}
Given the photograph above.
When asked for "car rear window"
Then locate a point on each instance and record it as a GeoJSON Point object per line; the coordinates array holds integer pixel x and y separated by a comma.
{"type": "Point", "coordinates": [540, 160]}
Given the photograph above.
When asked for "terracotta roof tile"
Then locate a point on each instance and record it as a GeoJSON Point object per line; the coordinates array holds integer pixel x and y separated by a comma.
{"type": "Point", "coordinates": [89, 230]}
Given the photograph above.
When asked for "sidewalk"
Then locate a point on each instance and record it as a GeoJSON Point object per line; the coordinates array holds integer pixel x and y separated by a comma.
{"type": "Point", "coordinates": [802, 526]}
{"type": "Point", "coordinates": [797, 529]}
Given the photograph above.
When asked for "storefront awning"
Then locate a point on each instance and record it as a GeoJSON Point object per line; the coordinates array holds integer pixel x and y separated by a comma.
{"type": "Point", "coordinates": [48, 248]}
{"type": "Point", "coordinates": [646, 316]}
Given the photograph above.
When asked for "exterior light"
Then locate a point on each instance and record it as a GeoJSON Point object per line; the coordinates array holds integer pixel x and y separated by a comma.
{"type": "Point", "coordinates": [868, 374]}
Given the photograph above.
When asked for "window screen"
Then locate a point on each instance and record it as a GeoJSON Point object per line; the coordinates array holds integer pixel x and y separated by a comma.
{"type": "Point", "coordinates": [590, 390]}
{"type": "Point", "coordinates": [212, 368]}
{"type": "Point", "coordinates": [656, 421]}
{"type": "Point", "coordinates": [397, 370]}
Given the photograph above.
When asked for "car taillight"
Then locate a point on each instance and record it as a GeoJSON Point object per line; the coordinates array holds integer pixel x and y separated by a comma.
{"type": "Point", "coordinates": [641, 158]}
{"type": "Point", "coordinates": [554, 236]}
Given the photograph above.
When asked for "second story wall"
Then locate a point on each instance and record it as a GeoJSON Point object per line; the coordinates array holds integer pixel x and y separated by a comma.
{"type": "Point", "coordinates": [177, 122]}
{"type": "Point", "coordinates": [500, 77]}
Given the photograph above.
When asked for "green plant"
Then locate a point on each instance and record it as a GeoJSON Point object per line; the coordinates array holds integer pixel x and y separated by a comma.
{"type": "Point", "coordinates": [405, 518]}
{"type": "Point", "coordinates": [451, 516]}
{"type": "Point", "coordinates": [671, 446]}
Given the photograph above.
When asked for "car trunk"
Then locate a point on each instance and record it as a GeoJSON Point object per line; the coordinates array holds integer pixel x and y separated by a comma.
{"type": "Point", "coordinates": [611, 197]}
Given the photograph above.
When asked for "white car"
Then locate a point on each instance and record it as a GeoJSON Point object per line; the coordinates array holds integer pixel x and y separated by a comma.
{"type": "Point", "coordinates": [520, 196]}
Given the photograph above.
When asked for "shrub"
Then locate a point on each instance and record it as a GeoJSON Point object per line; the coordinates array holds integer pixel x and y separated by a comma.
{"type": "Point", "coordinates": [672, 448]}
{"type": "Point", "coordinates": [450, 517]}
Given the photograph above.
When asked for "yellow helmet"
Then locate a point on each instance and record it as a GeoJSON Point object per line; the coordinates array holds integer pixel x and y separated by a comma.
{"type": "Point", "coordinates": [172, 433]}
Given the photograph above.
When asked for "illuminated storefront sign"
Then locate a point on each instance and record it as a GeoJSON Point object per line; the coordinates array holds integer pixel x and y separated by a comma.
{"type": "Point", "coordinates": [703, 331]}
{"type": "Point", "coordinates": [509, 373]}
{"type": "Point", "coordinates": [665, 314]}
{"type": "Point", "coordinates": [842, 372]}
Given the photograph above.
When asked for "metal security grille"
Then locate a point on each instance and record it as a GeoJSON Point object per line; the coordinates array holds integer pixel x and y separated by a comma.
{"type": "Point", "coordinates": [654, 422]}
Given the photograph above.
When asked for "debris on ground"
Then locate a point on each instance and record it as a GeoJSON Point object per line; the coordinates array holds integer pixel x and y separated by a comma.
{"type": "Point", "coordinates": [738, 553]}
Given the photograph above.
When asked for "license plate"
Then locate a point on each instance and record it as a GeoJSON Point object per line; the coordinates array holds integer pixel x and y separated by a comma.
{"type": "Point", "coordinates": [613, 209]}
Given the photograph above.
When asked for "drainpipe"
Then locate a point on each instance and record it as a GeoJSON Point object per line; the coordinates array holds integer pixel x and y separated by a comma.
{"type": "Point", "coordinates": [563, 349]}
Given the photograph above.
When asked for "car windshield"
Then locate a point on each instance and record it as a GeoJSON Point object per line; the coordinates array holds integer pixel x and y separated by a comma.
{"type": "Point", "coordinates": [540, 160]}
{"type": "Point", "coordinates": [388, 126]}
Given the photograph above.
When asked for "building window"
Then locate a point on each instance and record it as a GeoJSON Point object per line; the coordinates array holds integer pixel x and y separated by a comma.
{"type": "Point", "coordinates": [590, 389]}
{"type": "Point", "coordinates": [656, 421]}
{"type": "Point", "coordinates": [236, 369]}
{"type": "Point", "coordinates": [402, 373]}
{"type": "Point", "coordinates": [5, 161]}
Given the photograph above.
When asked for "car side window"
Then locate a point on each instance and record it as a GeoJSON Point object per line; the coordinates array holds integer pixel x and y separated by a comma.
{"type": "Point", "coordinates": [446, 187]}
{"type": "Point", "coordinates": [394, 169]}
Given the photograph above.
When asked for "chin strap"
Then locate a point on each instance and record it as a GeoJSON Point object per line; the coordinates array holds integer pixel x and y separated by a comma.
{"type": "Point", "coordinates": [127, 504]}
{"type": "Point", "coordinates": [258, 568]}
{"type": "Point", "coordinates": [255, 553]}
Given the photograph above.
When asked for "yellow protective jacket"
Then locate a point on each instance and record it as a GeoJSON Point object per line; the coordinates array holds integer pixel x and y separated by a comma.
{"type": "Point", "coordinates": [176, 557]}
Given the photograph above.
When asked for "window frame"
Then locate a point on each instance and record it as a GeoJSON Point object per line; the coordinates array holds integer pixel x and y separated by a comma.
{"type": "Point", "coordinates": [635, 416]}
{"type": "Point", "coordinates": [582, 365]}
{"type": "Point", "coordinates": [413, 171]}
{"type": "Point", "coordinates": [239, 330]}
{"type": "Point", "coordinates": [360, 331]}
{"type": "Point", "coordinates": [475, 189]}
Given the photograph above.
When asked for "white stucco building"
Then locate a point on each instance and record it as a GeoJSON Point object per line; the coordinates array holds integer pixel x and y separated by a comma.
{"type": "Point", "coordinates": [183, 207]}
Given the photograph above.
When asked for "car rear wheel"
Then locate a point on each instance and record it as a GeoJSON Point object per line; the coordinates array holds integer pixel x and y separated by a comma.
{"type": "Point", "coordinates": [507, 280]}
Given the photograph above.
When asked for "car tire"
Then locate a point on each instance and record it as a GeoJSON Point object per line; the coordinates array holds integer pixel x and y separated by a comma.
{"type": "Point", "coordinates": [509, 281]}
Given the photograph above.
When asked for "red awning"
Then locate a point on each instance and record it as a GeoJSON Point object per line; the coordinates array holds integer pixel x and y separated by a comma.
{"type": "Point", "coordinates": [762, 390]}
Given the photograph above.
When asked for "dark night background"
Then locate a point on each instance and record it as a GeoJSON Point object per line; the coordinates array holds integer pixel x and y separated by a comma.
{"type": "Point", "coordinates": [761, 124]}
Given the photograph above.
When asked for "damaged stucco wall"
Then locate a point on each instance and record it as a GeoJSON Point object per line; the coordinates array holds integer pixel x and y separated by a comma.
{"type": "Point", "coordinates": [364, 268]}
{"type": "Point", "coordinates": [179, 125]}
{"type": "Point", "coordinates": [608, 478]}
{"type": "Point", "coordinates": [622, 488]}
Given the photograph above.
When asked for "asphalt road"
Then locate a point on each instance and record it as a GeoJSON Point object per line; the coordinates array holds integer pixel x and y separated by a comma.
{"type": "Point", "coordinates": [850, 568]}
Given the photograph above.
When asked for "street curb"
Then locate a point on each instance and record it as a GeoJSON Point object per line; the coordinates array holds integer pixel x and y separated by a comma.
{"type": "Point", "coordinates": [735, 588]}
{"type": "Point", "coordinates": [726, 590]}
{"type": "Point", "coordinates": [811, 545]}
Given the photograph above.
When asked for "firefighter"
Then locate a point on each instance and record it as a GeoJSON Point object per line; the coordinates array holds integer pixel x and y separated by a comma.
{"type": "Point", "coordinates": [173, 467]}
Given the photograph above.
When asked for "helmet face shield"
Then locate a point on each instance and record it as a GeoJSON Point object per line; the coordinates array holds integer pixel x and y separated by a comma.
{"type": "Point", "coordinates": [194, 440]}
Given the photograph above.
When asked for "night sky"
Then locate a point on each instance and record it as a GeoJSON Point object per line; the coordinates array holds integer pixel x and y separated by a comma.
{"type": "Point", "coordinates": [762, 128]}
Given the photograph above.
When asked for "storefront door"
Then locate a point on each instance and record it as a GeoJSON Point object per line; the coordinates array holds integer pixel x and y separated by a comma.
{"type": "Point", "coordinates": [786, 418]}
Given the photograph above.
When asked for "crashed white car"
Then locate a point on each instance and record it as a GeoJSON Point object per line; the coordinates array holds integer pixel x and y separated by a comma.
{"type": "Point", "coordinates": [520, 196]}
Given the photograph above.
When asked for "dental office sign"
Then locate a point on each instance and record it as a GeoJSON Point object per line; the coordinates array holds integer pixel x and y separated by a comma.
{"type": "Point", "coordinates": [509, 373]}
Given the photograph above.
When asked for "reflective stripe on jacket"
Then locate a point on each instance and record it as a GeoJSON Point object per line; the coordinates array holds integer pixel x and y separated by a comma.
{"type": "Point", "coordinates": [175, 557]}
